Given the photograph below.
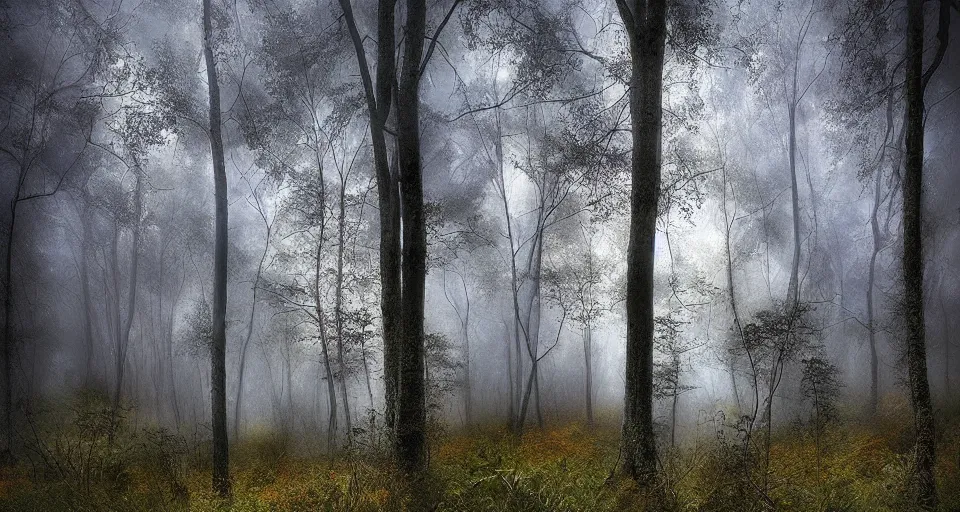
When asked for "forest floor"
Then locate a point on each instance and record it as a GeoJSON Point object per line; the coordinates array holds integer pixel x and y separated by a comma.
{"type": "Point", "coordinates": [858, 466]}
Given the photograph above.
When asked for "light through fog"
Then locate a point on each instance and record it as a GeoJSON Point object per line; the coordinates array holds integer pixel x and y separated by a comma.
{"type": "Point", "coordinates": [448, 233]}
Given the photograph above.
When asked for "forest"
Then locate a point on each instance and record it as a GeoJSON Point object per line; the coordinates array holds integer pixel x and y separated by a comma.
{"type": "Point", "coordinates": [480, 255]}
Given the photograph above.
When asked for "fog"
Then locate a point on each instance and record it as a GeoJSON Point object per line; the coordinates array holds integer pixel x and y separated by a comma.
{"type": "Point", "coordinates": [780, 202]}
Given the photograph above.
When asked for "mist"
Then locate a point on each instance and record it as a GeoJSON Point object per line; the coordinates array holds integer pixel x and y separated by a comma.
{"type": "Point", "coordinates": [309, 236]}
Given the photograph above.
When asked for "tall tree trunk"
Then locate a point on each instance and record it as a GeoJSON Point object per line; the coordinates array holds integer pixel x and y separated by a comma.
{"type": "Point", "coordinates": [464, 318]}
{"type": "Point", "coordinates": [218, 380]}
{"type": "Point", "coordinates": [338, 311]}
{"type": "Point", "coordinates": [327, 367]}
{"type": "Point", "coordinates": [516, 375]}
{"type": "Point", "coordinates": [467, 387]}
{"type": "Point", "coordinates": [123, 338]}
{"type": "Point", "coordinates": [916, 351]}
{"type": "Point", "coordinates": [878, 243]}
{"type": "Point", "coordinates": [379, 98]}
{"type": "Point", "coordinates": [246, 339]}
{"type": "Point", "coordinates": [645, 23]}
{"type": "Point", "coordinates": [674, 400]}
{"type": "Point", "coordinates": [6, 451]}
{"type": "Point", "coordinates": [531, 328]}
{"type": "Point", "coordinates": [588, 370]}
{"type": "Point", "coordinates": [793, 289]}
{"type": "Point", "coordinates": [871, 317]}
{"type": "Point", "coordinates": [171, 375]}
{"type": "Point", "coordinates": [411, 418]}
{"type": "Point", "coordinates": [508, 342]}
{"type": "Point", "coordinates": [85, 249]}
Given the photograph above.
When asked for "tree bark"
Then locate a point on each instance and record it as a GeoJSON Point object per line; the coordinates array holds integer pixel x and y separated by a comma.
{"type": "Point", "coordinates": [411, 418]}
{"type": "Point", "coordinates": [6, 451]}
{"type": "Point", "coordinates": [218, 384]}
{"type": "Point", "coordinates": [925, 490]}
{"type": "Point", "coordinates": [645, 24]}
{"type": "Point", "coordinates": [379, 97]}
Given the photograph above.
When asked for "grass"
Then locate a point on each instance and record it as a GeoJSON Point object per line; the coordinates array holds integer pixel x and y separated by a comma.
{"type": "Point", "coordinates": [861, 466]}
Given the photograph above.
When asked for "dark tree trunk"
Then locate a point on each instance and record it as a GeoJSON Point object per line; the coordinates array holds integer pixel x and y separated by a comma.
{"type": "Point", "coordinates": [645, 23]}
{"type": "Point", "coordinates": [218, 380]}
{"type": "Point", "coordinates": [402, 275]}
{"type": "Point", "coordinates": [411, 418]}
{"type": "Point", "coordinates": [6, 451]}
{"type": "Point", "coordinates": [379, 97]}
{"type": "Point", "coordinates": [916, 351]}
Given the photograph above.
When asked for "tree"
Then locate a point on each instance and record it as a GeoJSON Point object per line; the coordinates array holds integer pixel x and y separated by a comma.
{"type": "Point", "coordinates": [645, 24]}
{"type": "Point", "coordinates": [667, 373]}
{"type": "Point", "coordinates": [41, 93]}
{"type": "Point", "coordinates": [403, 267]}
{"type": "Point", "coordinates": [576, 286]}
{"type": "Point", "coordinates": [924, 485]}
{"type": "Point", "coordinates": [463, 316]}
{"type": "Point", "coordinates": [256, 202]}
{"type": "Point", "coordinates": [218, 373]}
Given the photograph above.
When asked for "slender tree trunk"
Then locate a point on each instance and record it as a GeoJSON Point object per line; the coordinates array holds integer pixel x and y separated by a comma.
{"type": "Point", "coordinates": [673, 415]}
{"type": "Point", "coordinates": [411, 420]}
{"type": "Point", "coordinates": [646, 29]}
{"type": "Point", "coordinates": [171, 364]}
{"type": "Point", "coordinates": [123, 338]}
{"type": "Point", "coordinates": [516, 370]}
{"type": "Point", "coordinates": [464, 318]}
{"type": "Point", "coordinates": [945, 318]}
{"type": "Point", "coordinates": [871, 321]}
{"type": "Point", "coordinates": [218, 380]}
{"type": "Point", "coordinates": [588, 370]}
{"type": "Point", "coordinates": [246, 339]}
{"type": "Point", "coordinates": [379, 98]}
{"type": "Point", "coordinates": [467, 384]}
{"type": "Point", "coordinates": [532, 328]}
{"type": "Point", "coordinates": [338, 311]}
{"type": "Point", "coordinates": [327, 367]}
{"type": "Point", "coordinates": [508, 342]}
{"type": "Point", "coordinates": [366, 370]}
{"type": "Point", "coordinates": [793, 289]}
{"type": "Point", "coordinates": [727, 226]}
{"type": "Point", "coordinates": [916, 350]}
{"type": "Point", "coordinates": [85, 247]}
{"type": "Point", "coordinates": [6, 451]}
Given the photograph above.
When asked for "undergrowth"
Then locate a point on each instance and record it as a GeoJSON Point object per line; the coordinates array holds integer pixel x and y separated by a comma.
{"type": "Point", "coordinates": [87, 460]}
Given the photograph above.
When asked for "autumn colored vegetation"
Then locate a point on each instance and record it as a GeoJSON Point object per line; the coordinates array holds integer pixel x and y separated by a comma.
{"type": "Point", "coordinates": [81, 460]}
